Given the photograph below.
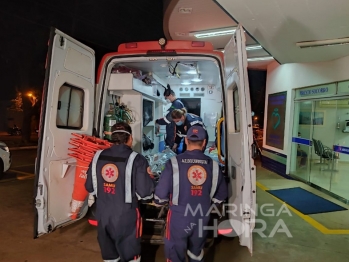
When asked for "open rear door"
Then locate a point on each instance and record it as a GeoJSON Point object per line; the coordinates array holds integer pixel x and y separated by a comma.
{"type": "Point", "coordinates": [67, 107]}
{"type": "Point", "coordinates": [239, 135]}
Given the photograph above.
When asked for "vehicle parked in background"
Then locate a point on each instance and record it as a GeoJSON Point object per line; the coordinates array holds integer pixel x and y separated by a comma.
{"type": "Point", "coordinates": [5, 158]}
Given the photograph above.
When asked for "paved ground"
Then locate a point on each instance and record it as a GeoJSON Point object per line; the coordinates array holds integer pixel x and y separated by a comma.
{"type": "Point", "coordinates": [16, 141]}
{"type": "Point", "coordinates": [78, 242]}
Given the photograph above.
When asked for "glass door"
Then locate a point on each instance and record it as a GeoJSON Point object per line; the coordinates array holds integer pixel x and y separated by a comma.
{"type": "Point", "coordinates": [320, 144]}
{"type": "Point", "coordinates": [301, 140]}
{"type": "Point", "coordinates": [340, 155]}
{"type": "Point", "coordinates": [323, 124]}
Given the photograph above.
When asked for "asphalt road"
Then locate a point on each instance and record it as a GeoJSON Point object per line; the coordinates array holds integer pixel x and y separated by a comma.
{"type": "Point", "coordinates": [76, 242]}
{"type": "Point", "coordinates": [22, 166]}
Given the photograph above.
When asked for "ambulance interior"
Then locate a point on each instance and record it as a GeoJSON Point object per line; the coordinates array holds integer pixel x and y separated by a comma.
{"type": "Point", "coordinates": [137, 87]}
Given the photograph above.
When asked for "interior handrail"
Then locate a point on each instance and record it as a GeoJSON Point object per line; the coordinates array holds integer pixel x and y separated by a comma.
{"type": "Point", "coordinates": [218, 127]}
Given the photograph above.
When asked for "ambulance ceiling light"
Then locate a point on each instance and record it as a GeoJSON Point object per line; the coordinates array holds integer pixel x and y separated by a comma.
{"type": "Point", "coordinates": [248, 48]}
{"type": "Point", "coordinates": [191, 72]}
{"type": "Point", "coordinates": [261, 58]}
{"type": "Point", "coordinates": [185, 83]}
{"type": "Point", "coordinates": [214, 32]}
{"type": "Point", "coordinates": [327, 42]}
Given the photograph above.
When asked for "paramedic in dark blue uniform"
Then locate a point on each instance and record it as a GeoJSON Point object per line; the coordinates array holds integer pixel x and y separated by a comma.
{"type": "Point", "coordinates": [184, 121]}
{"type": "Point", "coordinates": [119, 177]}
{"type": "Point", "coordinates": [167, 120]}
{"type": "Point", "coordinates": [190, 181]}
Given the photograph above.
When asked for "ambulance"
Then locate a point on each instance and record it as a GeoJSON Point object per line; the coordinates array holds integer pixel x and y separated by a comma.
{"type": "Point", "coordinates": [131, 81]}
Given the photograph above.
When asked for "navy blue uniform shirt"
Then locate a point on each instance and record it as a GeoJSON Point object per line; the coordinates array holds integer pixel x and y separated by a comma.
{"type": "Point", "coordinates": [110, 171]}
{"type": "Point", "coordinates": [195, 182]}
{"type": "Point", "coordinates": [190, 120]}
{"type": "Point", "coordinates": [170, 125]}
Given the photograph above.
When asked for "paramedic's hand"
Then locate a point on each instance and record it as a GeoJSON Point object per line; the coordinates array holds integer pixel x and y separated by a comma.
{"type": "Point", "coordinates": [91, 200]}
{"type": "Point", "coordinates": [174, 148]}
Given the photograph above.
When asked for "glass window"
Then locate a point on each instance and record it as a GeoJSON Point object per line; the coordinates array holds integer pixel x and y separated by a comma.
{"type": "Point", "coordinates": [70, 107]}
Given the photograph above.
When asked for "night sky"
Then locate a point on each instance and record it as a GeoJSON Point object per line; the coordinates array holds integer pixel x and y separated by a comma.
{"type": "Point", "coordinates": [103, 25]}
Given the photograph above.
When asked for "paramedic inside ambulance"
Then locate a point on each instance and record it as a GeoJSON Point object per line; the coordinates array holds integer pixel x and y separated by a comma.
{"type": "Point", "coordinates": [170, 97]}
{"type": "Point", "coordinates": [190, 181]}
{"type": "Point", "coordinates": [184, 121]}
{"type": "Point", "coordinates": [118, 177]}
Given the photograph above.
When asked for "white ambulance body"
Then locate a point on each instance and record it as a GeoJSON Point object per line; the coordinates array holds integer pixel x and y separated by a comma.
{"type": "Point", "coordinates": [210, 82]}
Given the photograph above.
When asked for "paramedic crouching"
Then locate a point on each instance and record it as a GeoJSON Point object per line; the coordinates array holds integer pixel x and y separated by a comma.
{"type": "Point", "coordinates": [184, 121]}
{"type": "Point", "coordinates": [190, 181]}
{"type": "Point", "coordinates": [118, 177]}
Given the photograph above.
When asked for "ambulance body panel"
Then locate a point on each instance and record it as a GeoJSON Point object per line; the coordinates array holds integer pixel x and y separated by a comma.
{"type": "Point", "coordinates": [134, 78]}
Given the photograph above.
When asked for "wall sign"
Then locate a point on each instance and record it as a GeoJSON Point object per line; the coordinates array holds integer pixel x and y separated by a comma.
{"type": "Point", "coordinates": [316, 91]}
{"type": "Point", "coordinates": [276, 120]}
{"type": "Point", "coordinates": [341, 149]}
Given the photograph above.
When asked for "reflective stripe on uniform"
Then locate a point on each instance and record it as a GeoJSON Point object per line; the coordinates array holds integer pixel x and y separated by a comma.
{"type": "Point", "coordinates": [215, 172]}
{"type": "Point", "coordinates": [159, 199]}
{"type": "Point", "coordinates": [128, 178]}
{"type": "Point", "coordinates": [166, 120]}
{"type": "Point", "coordinates": [112, 260]}
{"type": "Point", "coordinates": [146, 197]}
{"type": "Point", "coordinates": [175, 169]}
{"type": "Point", "coordinates": [94, 172]}
{"type": "Point", "coordinates": [197, 258]}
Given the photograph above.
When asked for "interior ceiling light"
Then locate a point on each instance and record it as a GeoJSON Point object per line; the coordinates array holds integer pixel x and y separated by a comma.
{"type": "Point", "coordinates": [214, 32]}
{"type": "Point", "coordinates": [261, 58]}
{"type": "Point", "coordinates": [186, 83]}
{"type": "Point", "coordinates": [253, 47]}
{"type": "Point", "coordinates": [328, 42]}
{"type": "Point", "coordinates": [191, 72]}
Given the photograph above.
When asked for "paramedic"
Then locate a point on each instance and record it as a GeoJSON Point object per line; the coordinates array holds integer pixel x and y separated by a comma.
{"type": "Point", "coordinates": [190, 181]}
{"type": "Point", "coordinates": [167, 120]}
{"type": "Point", "coordinates": [184, 121]}
{"type": "Point", "coordinates": [119, 177]}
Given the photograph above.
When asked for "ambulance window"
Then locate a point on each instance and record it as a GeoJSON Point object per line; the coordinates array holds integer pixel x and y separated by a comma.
{"type": "Point", "coordinates": [236, 110]}
{"type": "Point", "coordinates": [70, 107]}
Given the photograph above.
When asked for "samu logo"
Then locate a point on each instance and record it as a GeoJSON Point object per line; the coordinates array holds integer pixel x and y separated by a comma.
{"type": "Point", "coordinates": [276, 114]}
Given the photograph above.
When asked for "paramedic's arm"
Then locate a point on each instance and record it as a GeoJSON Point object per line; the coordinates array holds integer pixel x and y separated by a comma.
{"type": "Point", "coordinates": [177, 139]}
{"type": "Point", "coordinates": [88, 182]}
{"type": "Point", "coordinates": [164, 186]}
{"type": "Point", "coordinates": [144, 182]}
{"type": "Point", "coordinates": [222, 189]}
{"type": "Point", "coordinates": [167, 119]}
{"type": "Point", "coordinates": [163, 121]}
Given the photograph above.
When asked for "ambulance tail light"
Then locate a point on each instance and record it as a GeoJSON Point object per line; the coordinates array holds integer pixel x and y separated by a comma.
{"type": "Point", "coordinates": [197, 43]}
{"type": "Point", "coordinates": [226, 231]}
{"type": "Point", "coordinates": [93, 222]}
{"type": "Point", "coordinates": [131, 45]}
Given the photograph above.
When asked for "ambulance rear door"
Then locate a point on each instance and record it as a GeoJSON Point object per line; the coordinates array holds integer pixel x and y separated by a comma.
{"type": "Point", "coordinates": [67, 107]}
{"type": "Point", "coordinates": [239, 159]}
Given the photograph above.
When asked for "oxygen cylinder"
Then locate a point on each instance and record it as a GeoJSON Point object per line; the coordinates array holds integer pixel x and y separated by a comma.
{"type": "Point", "coordinates": [109, 121]}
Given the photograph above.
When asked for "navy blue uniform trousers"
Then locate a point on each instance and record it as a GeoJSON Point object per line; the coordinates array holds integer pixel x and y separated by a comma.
{"type": "Point", "coordinates": [184, 237]}
{"type": "Point", "coordinates": [120, 236]}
